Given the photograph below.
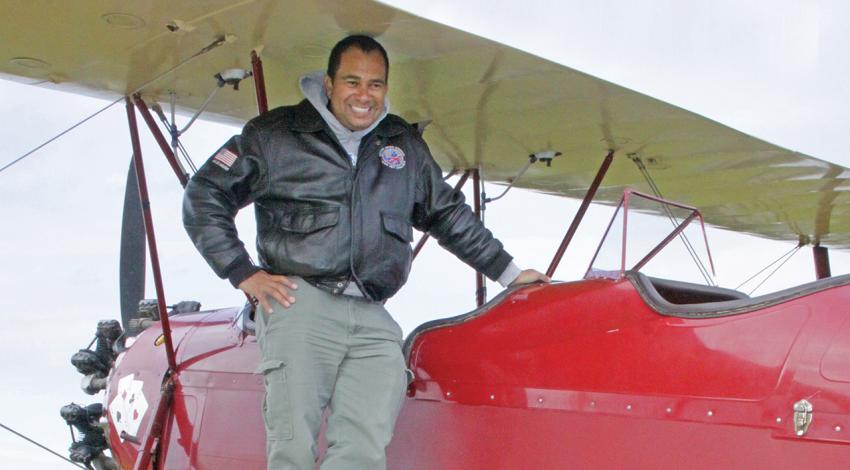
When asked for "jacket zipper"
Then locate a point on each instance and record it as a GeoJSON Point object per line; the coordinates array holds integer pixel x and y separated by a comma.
{"type": "Point", "coordinates": [353, 175]}
{"type": "Point", "coordinates": [356, 173]}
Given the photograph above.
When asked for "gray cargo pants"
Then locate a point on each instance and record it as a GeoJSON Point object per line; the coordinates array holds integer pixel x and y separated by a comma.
{"type": "Point", "coordinates": [337, 351]}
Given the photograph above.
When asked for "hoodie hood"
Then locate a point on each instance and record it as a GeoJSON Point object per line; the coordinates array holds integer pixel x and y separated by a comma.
{"type": "Point", "coordinates": [313, 87]}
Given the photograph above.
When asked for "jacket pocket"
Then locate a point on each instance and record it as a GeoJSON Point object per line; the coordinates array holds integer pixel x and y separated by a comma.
{"type": "Point", "coordinates": [277, 410]}
{"type": "Point", "coordinates": [391, 257]}
{"type": "Point", "coordinates": [307, 242]}
{"type": "Point", "coordinates": [310, 220]}
{"type": "Point", "coordinates": [397, 226]}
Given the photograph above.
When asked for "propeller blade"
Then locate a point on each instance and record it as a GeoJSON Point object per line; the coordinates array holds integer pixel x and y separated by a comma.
{"type": "Point", "coordinates": [132, 264]}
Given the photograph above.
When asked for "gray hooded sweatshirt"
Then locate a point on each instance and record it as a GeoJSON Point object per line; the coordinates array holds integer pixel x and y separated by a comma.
{"type": "Point", "coordinates": [313, 87]}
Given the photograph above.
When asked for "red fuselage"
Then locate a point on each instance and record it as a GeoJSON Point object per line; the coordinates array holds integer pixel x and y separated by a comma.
{"type": "Point", "coordinates": [571, 375]}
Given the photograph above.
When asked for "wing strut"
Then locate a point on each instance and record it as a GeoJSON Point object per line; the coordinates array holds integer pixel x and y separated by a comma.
{"type": "Point", "coordinates": [160, 139]}
{"type": "Point", "coordinates": [480, 287]}
{"type": "Point", "coordinates": [591, 192]}
{"type": "Point", "coordinates": [821, 255]}
{"type": "Point", "coordinates": [259, 82]}
{"type": "Point", "coordinates": [151, 237]}
{"type": "Point", "coordinates": [145, 454]}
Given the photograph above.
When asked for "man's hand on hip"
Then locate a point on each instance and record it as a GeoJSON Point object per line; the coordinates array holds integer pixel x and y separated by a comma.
{"type": "Point", "coordinates": [263, 286]}
{"type": "Point", "coordinates": [529, 276]}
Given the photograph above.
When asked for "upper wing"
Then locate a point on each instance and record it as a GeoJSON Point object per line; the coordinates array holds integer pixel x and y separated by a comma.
{"type": "Point", "coordinates": [490, 105]}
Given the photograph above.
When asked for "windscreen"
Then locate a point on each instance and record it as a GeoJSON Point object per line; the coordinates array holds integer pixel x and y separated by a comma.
{"type": "Point", "coordinates": [657, 237]}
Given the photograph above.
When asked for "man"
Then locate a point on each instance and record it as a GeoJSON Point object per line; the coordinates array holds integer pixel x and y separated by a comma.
{"type": "Point", "coordinates": [337, 184]}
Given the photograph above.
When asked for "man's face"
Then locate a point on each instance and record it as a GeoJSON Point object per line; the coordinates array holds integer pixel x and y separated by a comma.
{"type": "Point", "coordinates": [358, 90]}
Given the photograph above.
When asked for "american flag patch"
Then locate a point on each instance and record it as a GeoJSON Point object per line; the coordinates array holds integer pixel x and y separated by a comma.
{"type": "Point", "coordinates": [225, 158]}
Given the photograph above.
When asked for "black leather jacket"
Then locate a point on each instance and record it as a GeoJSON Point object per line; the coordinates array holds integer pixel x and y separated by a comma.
{"type": "Point", "coordinates": [319, 217]}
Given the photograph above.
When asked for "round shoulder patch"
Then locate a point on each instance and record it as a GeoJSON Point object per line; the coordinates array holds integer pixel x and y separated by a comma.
{"type": "Point", "coordinates": [392, 157]}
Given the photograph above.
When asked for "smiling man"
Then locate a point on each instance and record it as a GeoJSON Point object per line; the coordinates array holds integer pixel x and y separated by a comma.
{"type": "Point", "coordinates": [337, 183]}
{"type": "Point", "coordinates": [358, 88]}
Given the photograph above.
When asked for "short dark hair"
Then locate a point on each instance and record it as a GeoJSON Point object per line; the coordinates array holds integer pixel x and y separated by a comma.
{"type": "Point", "coordinates": [365, 43]}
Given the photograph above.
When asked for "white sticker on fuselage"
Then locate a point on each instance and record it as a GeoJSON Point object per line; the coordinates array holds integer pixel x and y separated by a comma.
{"type": "Point", "coordinates": [129, 406]}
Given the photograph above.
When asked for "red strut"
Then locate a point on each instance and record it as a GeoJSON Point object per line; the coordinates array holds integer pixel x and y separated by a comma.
{"type": "Point", "coordinates": [259, 82]}
{"type": "Point", "coordinates": [160, 139]}
{"type": "Point", "coordinates": [155, 430]}
{"type": "Point", "coordinates": [591, 192]}
{"type": "Point", "coordinates": [480, 288]}
{"type": "Point", "coordinates": [821, 254]}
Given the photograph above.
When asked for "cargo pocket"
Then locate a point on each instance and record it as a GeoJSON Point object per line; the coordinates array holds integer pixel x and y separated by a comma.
{"type": "Point", "coordinates": [277, 411]}
{"type": "Point", "coordinates": [403, 385]}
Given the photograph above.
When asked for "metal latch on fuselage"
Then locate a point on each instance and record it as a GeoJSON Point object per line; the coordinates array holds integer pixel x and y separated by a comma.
{"type": "Point", "coordinates": [802, 417]}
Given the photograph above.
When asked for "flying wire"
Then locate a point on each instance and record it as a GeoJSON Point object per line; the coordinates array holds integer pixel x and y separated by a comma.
{"type": "Point", "coordinates": [687, 242]}
{"type": "Point", "coordinates": [777, 269]}
{"type": "Point", "coordinates": [8, 165]}
{"type": "Point", "coordinates": [706, 274]}
{"type": "Point", "coordinates": [180, 146]}
{"type": "Point", "coordinates": [786, 256]}
{"type": "Point", "coordinates": [41, 446]}
{"type": "Point", "coordinates": [187, 157]}
{"type": "Point", "coordinates": [218, 42]}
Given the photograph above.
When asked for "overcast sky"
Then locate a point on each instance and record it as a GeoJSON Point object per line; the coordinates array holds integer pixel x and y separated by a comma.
{"type": "Point", "coordinates": [774, 69]}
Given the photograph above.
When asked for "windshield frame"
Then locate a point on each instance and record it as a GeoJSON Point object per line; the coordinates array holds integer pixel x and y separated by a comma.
{"type": "Point", "coordinates": [623, 205]}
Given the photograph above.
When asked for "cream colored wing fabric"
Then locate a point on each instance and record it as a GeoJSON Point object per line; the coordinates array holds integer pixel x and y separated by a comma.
{"type": "Point", "coordinates": [489, 105]}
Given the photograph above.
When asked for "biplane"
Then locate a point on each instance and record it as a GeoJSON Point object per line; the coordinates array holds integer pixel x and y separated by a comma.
{"type": "Point", "coordinates": [620, 369]}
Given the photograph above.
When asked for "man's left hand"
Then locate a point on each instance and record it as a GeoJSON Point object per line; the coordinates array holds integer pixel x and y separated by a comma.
{"type": "Point", "coordinates": [530, 276]}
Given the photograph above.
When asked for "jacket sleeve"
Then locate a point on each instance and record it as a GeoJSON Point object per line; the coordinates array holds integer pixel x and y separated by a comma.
{"type": "Point", "coordinates": [231, 179]}
{"type": "Point", "coordinates": [444, 214]}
